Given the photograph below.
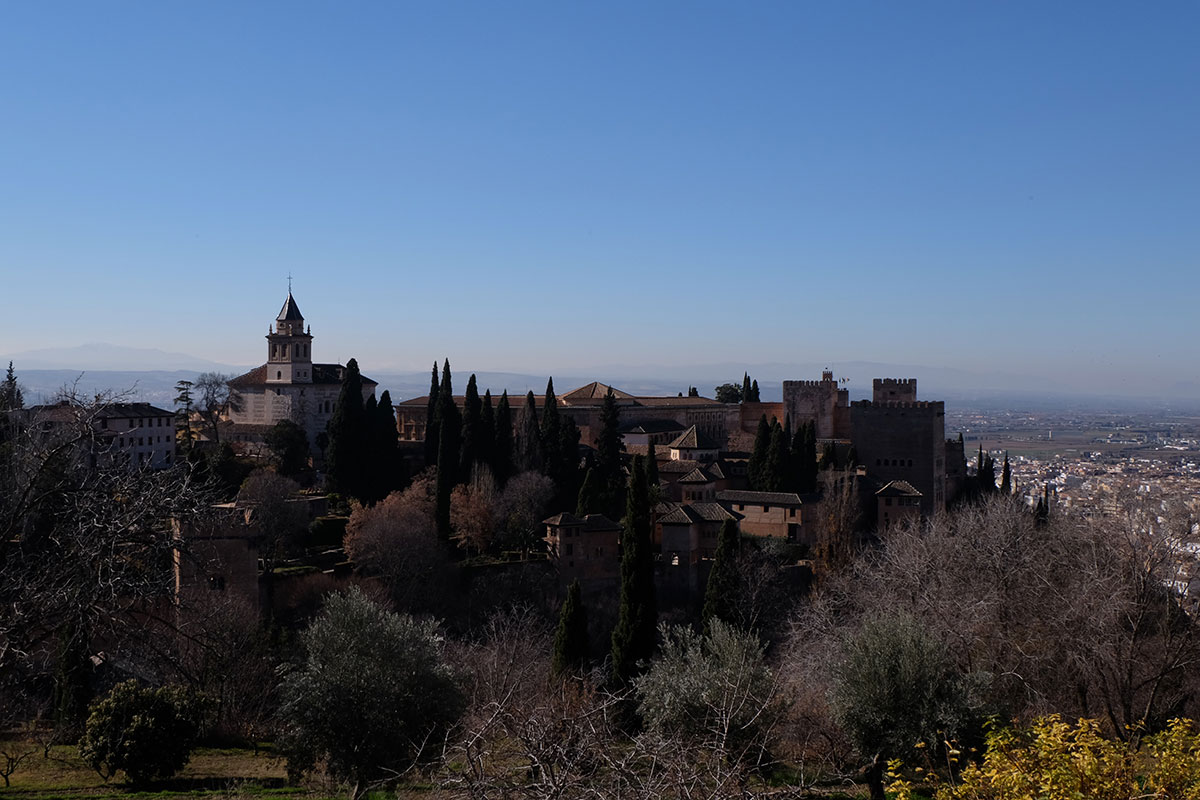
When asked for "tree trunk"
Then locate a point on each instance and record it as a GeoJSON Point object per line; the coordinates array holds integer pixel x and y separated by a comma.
{"type": "Point", "coordinates": [875, 778]}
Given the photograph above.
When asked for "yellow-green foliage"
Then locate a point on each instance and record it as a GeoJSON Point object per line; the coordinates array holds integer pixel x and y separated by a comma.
{"type": "Point", "coordinates": [1055, 760]}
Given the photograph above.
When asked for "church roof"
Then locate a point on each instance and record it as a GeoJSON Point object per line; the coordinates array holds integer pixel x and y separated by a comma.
{"type": "Point", "coordinates": [321, 374]}
{"type": "Point", "coordinates": [290, 310]}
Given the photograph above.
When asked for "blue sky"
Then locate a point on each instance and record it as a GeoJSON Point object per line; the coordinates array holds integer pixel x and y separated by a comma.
{"type": "Point", "coordinates": [553, 186]}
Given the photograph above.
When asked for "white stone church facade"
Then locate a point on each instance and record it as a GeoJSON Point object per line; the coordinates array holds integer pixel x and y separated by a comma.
{"type": "Point", "coordinates": [289, 386]}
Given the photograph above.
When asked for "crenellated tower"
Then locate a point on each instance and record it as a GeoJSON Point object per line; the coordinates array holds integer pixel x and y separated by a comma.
{"type": "Point", "coordinates": [289, 347]}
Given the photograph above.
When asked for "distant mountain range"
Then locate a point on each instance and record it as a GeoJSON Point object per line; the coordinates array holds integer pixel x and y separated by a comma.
{"type": "Point", "coordinates": [150, 375]}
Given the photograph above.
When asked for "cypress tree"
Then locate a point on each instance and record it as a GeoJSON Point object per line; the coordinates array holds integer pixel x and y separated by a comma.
{"type": "Point", "coordinates": [652, 469]}
{"type": "Point", "coordinates": [571, 638]}
{"type": "Point", "coordinates": [721, 589]}
{"type": "Point", "coordinates": [592, 497]}
{"type": "Point", "coordinates": [387, 448]}
{"type": "Point", "coordinates": [758, 457]}
{"type": "Point", "coordinates": [431, 420]}
{"type": "Point", "coordinates": [529, 437]}
{"type": "Point", "coordinates": [774, 468]}
{"type": "Point", "coordinates": [469, 448]}
{"type": "Point", "coordinates": [747, 393]}
{"type": "Point", "coordinates": [11, 398]}
{"type": "Point", "coordinates": [609, 447]}
{"type": "Point", "coordinates": [369, 467]}
{"type": "Point", "coordinates": [754, 392]}
{"type": "Point", "coordinates": [552, 456]}
{"type": "Point", "coordinates": [1006, 477]}
{"type": "Point", "coordinates": [502, 448]}
{"type": "Point", "coordinates": [347, 436]}
{"type": "Point", "coordinates": [448, 452]}
{"type": "Point", "coordinates": [633, 637]}
{"type": "Point", "coordinates": [485, 452]}
{"type": "Point", "coordinates": [568, 454]}
{"type": "Point", "coordinates": [693, 391]}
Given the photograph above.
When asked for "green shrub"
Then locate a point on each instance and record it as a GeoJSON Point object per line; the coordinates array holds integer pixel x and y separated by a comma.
{"type": "Point", "coordinates": [146, 733]}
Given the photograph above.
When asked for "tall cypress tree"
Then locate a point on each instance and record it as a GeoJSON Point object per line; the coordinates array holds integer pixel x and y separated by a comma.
{"type": "Point", "coordinates": [747, 392]}
{"type": "Point", "coordinates": [568, 455]}
{"type": "Point", "coordinates": [484, 453]}
{"type": "Point", "coordinates": [529, 437]}
{"type": "Point", "coordinates": [385, 442]}
{"type": "Point", "coordinates": [347, 436]}
{"type": "Point", "coordinates": [571, 638]}
{"type": "Point", "coordinates": [609, 447]}
{"type": "Point", "coordinates": [758, 457]}
{"type": "Point", "coordinates": [721, 590]}
{"type": "Point", "coordinates": [502, 447]}
{"type": "Point", "coordinates": [472, 412]}
{"type": "Point", "coordinates": [552, 456]}
{"type": "Point", "coordinates": [448, 452]}
{"type": "Point", "coordinates": [431, 419]}
{"type": "Point", "coordinates": [1006, 477]}
{"type": "Point", "coordinates": [652, 470]}
{"type": "Point", "coordinates": [633, 637]}
{"type": "Point", "coordinates": [754, 392]}
{"type": "Point", "coordinates": [11, 398]}
{"type": "Point", "coordinates": [774, 469]}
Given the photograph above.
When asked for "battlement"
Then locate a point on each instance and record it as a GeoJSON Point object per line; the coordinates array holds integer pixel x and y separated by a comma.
{"type": "Point", "coordinates": [887, 405]}
{"type": "Point", "coordinates": [887, 389]}
{"type": "Point", "coordinates": [822, 384]}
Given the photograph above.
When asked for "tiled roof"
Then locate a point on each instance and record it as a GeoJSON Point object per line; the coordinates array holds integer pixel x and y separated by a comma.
{"type": "Point", "coordinates": [321, 374]}
{"type": "Point", "coordinates": [599, 522]}
{"type": "Point", "coordinates": [652, 426]}
{"type": "Point", "coordinates": [898, 489]}
{"type": "Point", "coordinates": [565, 518]}
{"type": "Point", "coordinates": [698, 475]}
{"type": "Point", "coordinates": [593, 391]}
{"type": "Point", "coordinates": [760, 498]}
{"type": "Point", "coordinates": [132, 410]}
{"type": "Point", "coordinates": [690, 513]}
{"type": "Point", "coordinates": [694, 439]}
{"type": "Point", "coordinates": [715, 512]}
{"type": "Point", "coordinates": [680, 515]}
{"type": "Point", "coordinates": [677, 467]}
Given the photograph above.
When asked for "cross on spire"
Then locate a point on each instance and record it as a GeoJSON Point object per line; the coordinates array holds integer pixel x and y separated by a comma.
{"type": "Point", "coordinates": [289, 283]}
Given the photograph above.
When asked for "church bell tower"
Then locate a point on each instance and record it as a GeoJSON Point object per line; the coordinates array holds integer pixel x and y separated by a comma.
{"type": "Point", "coordinates": [289, 347]}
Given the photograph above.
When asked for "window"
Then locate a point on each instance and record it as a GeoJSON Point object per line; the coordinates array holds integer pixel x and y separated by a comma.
{"type": "Point", "coordinates": [766, 509]}
{"type": "Point", "coordinates": [278, 374]}
{"type": "Point", "coordinates": [140, 442]}
{"type": "Point", "coordinates": [791, 512]}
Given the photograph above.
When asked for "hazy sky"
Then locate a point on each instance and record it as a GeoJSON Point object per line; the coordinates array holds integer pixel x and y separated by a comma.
{"type": "Point", "coordinates": [543, 186]}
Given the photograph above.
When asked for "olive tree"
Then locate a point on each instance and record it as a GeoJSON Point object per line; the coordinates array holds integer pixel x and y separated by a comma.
{"type": "Point", "coordinates": [896, 687]}
{"type": "Point", "coordinates": [372, 697]}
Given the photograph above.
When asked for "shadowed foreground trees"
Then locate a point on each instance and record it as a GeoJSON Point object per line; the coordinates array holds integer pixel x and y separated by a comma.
{"type": "Point", "coordinates": [372, 697]}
